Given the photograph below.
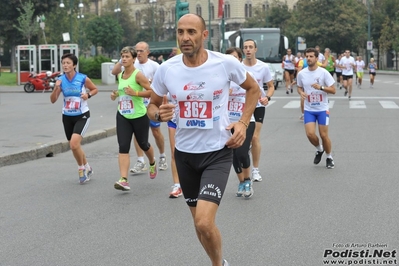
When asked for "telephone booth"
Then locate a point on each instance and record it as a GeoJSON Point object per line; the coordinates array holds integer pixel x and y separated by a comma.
{"type": "Point", "coordinates": [48, 58]}
{"type": "Point", "coordinates": [69, 48]}
{"type": "Point", "coordinates": [26, 62]}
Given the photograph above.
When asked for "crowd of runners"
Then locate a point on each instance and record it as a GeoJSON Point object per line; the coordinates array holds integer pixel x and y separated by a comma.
{"type": "Point", "coordinates": [214, 107]}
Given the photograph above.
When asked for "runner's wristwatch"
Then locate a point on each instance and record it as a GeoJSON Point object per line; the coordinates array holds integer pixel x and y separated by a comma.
{"type": "Point", "coordinates": [322, 88]}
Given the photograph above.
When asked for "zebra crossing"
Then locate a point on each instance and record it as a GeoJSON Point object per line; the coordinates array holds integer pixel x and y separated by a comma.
{"type": "Point", "coordinates": [353, 104]}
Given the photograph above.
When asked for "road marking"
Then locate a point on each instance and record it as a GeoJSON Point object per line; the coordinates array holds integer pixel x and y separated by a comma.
{"type": "Point", "coordinates": [386, 82]}
{"type": "Point", "coordinates": [357, 104]}
{"type": "Point", "coordinates": [389, 105]}
{"type": "Point", "coordinates": [293, 104]}
{"type": "Point", "coordinates": [270, 103]}
{"type": "Point", "coordinates": [331, 104]}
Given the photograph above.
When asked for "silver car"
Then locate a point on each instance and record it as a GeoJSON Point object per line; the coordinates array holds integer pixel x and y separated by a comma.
{"type": "Point", "coordinates": [277, 75]}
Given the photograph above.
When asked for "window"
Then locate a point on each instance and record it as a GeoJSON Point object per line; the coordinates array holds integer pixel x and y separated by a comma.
{"type": "Point", "coordinates": [248, 10]}
{"type": "Point", "coordinates": [227, 10]}
{"type": "Point", "coordinates": [161, 15]}
{"type": "Point", "coordinates": [138, 18]}
{"type": "Point", "coordinates": [198, 10]}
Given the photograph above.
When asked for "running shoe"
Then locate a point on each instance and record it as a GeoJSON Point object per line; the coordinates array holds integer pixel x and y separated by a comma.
{"type": "Point", "coordinates": [292, 90]}
{"type": "Point", "coordinates": [83, 178]}
{"type": "Point", "coordinates": [249, 191]}
{"type": "Point", "coordinates": [340, 87]}
{"type": "Point", "coordinates": [162, 165]}
{"type": "Point", "coordinates": [153, 170]}
{"type": "Point", "coordinates": [89, 172]}
{"type": "Point", "coordinates": [346, 93]}
{"type": "Point", "coordinates": [256, 177]}
{"type": "Point", "coordinates": [330, 163]}
{"type": "Point", "coordinates": [122, 184]}
{"type": "Point", "coordinates": [139, 167]}
{"type": "Point", "coordinates": [287, 92]}
{"type": "Point", "coordinates": [241, 189]}
{"type": "Point", "coordinates": [225, 263]}
{"type": "Point", "coordinates": [317, 158]}
{"type": "Point", "coordinates": [349, 97]}
{"type": "Point", "coordinates": [176, 192]}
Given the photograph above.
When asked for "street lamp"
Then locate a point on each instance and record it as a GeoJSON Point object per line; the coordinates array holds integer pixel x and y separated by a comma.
{"type": "Point", "coordinates": [71, 4]}
{"type": "Point", "coordinates": [153, 3]}
{"type": "Point", "coordinates": [368, 30]}
{"type": "Point", "coordinates": [117, 10]}
{"type": "Point", "coordinates": [80, 16]}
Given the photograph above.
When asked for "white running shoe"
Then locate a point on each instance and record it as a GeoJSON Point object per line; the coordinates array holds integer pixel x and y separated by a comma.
{"type": "Point", "coordinates": [256, 177]}
{"type": "Point", "coordinates": [139, 167]}
{"type": "Point", "coordinates": [162, 165]}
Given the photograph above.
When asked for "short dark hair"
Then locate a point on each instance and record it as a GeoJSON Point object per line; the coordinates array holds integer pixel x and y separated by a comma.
{"type": "Point", "coordinates": [231, 50]}
{"type": "Point", "coordinates": [251, 40]}
{"type": "Point", "coordinates": [312, 50]}
{"type": "Point", "coordinates": [129, 49]}
{"type": "Point", "coordinates": [70, 56]}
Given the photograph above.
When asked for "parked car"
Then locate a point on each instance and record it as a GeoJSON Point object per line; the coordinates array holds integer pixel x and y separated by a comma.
{"type": "Point", "coordinates": [277, 75]}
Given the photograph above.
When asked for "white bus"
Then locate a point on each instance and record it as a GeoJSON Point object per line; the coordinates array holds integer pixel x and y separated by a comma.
{"type": "Point", "coordinates": [269, 41]}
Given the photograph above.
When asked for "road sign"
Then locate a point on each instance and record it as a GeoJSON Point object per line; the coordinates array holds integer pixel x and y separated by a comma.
{"type": "Point", "coordinates": [369, 45]}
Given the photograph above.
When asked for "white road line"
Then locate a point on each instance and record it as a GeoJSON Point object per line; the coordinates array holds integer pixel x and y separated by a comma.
{"type": "Point", "coordinates": [270, 103]}
{"type": "Point", "coordinates": [357, 104]}
{"type": "Point", "coordinates": [293, 104]}
{"type": "Point", "coordinates": [331, 104]}
{"type": "Point", "coordinates": [389, 105]}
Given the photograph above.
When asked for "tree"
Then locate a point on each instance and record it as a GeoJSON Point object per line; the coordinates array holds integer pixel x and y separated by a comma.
{"type": "Point", "coordinates": [338, 24]}
{"type": "Point", "coordinates": [28, 27]}
{"type": "Point", "coordinates": [104, 31]}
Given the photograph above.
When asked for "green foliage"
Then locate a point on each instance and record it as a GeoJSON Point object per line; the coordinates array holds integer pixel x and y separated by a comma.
{"type": "Point", "coordinates": [27, 26]}
{"type": "Point", "coordinates": [104, 31]}
{"type": "Point", "coordinates": [92, 66]}
{"type": "Point", "coordinates": [338, 24]}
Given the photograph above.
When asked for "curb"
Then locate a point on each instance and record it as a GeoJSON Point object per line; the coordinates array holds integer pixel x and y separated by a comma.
{"type": "Point", "coordinates": [52, 148]}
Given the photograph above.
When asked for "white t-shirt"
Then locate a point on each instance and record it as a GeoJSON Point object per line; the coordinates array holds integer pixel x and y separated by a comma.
{"type": "Point", "coordinates": [316, 100]}
{"type": "Point", "coordinates": [337, 68]}
{"type": "Point", "coordinates": [262, 75]}
{"type": "Point", "coordinates": [348, 63]}
{"type": "Point", "coordinates": [360, 65]}
{"type": "Point", "coordinates": [237, 101]}
{"type": "Point", "coordinates": [321, 58]}
{"type": "Point", "coordinates": [201, 95]}
{"type": "Point", "coordinates": [289, 62]}
{"type": "Point", "coordinates": [148, 69]}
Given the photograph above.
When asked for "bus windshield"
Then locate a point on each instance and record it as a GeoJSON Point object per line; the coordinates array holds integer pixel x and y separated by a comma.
{"type": "Point", "coordinates": [268, 44]}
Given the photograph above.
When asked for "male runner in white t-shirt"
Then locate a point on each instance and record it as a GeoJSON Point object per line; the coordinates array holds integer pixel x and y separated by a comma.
{"type": "Point", "coordinates": [314, 83]}
{"type": "Point", "coordinates": [262, 74]}
{"type": "Point", "coordinates": [198, 81]}
{"type": "Point", "coordinates": [347, 63]}
{"type": "Point", "coordinates": [360, 65]}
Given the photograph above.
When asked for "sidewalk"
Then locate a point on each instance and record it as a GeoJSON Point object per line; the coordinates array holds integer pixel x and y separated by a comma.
{"type": "Point", "coordinates": [31, 126]}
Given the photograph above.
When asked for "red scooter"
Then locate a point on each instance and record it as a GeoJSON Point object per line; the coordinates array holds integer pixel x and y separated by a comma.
{"type": "Point", "coordinates": [42, 81]}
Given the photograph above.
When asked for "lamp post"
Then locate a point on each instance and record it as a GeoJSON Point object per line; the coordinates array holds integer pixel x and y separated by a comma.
{"type": "Point", "coordinates": [153, 2]}
{"type": "Point", "coordinates": [80, 16]}
{"type": "Point", "coordinates": [368, 29]}
{"type": "Point", "coordinates": [117, 10]}
{"type": "Point", "coordinates": [71, 4]}
{"type": "Point", "coordinates": [209, 25]}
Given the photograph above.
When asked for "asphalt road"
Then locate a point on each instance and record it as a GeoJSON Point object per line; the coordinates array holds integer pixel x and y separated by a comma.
{"type": "Point", "coordinates": [298, 214]}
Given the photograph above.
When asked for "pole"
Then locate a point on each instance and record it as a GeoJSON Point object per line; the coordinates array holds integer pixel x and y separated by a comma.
{"type": "Point", "coordinates": [70, 19]}
{"type": "Point", "coordinates": [153, 26]}
{"type": "Point", "coordinates": [368, 33]}
{"type": "Point", "coordinates": [209, 25]}
{"type": "Point", "coordinates": [223, 31]}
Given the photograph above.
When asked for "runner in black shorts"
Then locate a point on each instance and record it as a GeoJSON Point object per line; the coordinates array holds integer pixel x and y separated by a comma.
{"type": "Point", "coordinates": [200, 100]}
{"type": "Point", "coordinates": [75, 112]}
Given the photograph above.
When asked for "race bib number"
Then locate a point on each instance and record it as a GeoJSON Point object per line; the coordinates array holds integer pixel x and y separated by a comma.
{"type": "Point", "coordinates": [235, 108]}
{"type": "Point", "coordinates": [195, 114]}
{"type": "Point", "coordinates": [126, 106]}
{"type": "Point", "coordinates": [72, 105]}
{"type": "Point", "coordinates": [315, 98]}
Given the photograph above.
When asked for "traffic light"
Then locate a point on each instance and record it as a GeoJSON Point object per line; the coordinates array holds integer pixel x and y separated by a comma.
{"type": "Point", "coordinates": [181, 9]}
